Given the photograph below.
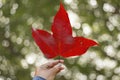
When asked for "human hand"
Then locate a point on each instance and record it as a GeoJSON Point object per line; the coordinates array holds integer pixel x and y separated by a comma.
{"type": "Point", "coordinates": [49, 70]}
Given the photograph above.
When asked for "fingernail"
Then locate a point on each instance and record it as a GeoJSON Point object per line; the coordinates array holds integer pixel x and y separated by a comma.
{"type": "Point", "coordinates": [61, 61]}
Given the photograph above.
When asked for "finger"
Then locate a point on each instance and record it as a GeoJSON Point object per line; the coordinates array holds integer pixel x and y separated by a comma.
{"type": "Point", "coordinates": [56, 62]}
{"type": "Point", "coordinates": [52, 63]}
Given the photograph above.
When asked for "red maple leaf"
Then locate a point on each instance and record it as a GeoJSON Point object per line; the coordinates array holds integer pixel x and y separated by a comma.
{"type": "Point", "coordinates": [61, 42]}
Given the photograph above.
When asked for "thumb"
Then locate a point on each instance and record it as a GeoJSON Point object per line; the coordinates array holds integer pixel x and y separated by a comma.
{"type": "Point", "coordinates": [56, 69]}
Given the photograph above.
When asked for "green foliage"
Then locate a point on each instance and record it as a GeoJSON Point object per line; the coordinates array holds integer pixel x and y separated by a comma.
{"type": "Point", "coordinates": [96, 19]}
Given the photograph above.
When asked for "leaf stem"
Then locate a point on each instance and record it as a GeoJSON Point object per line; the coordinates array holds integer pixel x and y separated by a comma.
{"type": "Point", "coordinates": [59, 58]}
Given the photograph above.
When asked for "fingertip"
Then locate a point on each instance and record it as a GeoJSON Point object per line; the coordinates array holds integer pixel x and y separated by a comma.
{"type": "Point", "coordinates": [62, 61]}
{"type": "Point", "coordinates": [61, 68]}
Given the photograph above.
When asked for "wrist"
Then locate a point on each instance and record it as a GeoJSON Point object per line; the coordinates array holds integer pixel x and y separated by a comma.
{"type": "Point", "coordinates": [38, 78]}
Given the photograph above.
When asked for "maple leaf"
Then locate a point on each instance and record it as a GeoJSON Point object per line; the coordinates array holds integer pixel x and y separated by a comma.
{"type": "Point", "coordinates": [61, 42]}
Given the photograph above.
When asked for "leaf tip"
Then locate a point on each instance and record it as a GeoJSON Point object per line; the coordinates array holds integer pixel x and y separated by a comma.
{"type": "Point", "coordinates": [95, 43]}
{"type": "Point", "coordinates": [61, 6]}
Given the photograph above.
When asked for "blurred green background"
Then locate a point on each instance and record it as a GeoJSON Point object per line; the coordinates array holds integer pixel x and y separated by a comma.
{"type": "Point", "coordinates": [95, 19]}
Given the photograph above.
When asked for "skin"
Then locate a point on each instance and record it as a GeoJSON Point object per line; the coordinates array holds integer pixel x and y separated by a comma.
{"type": "Point", "coordinates": [49, 70]}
